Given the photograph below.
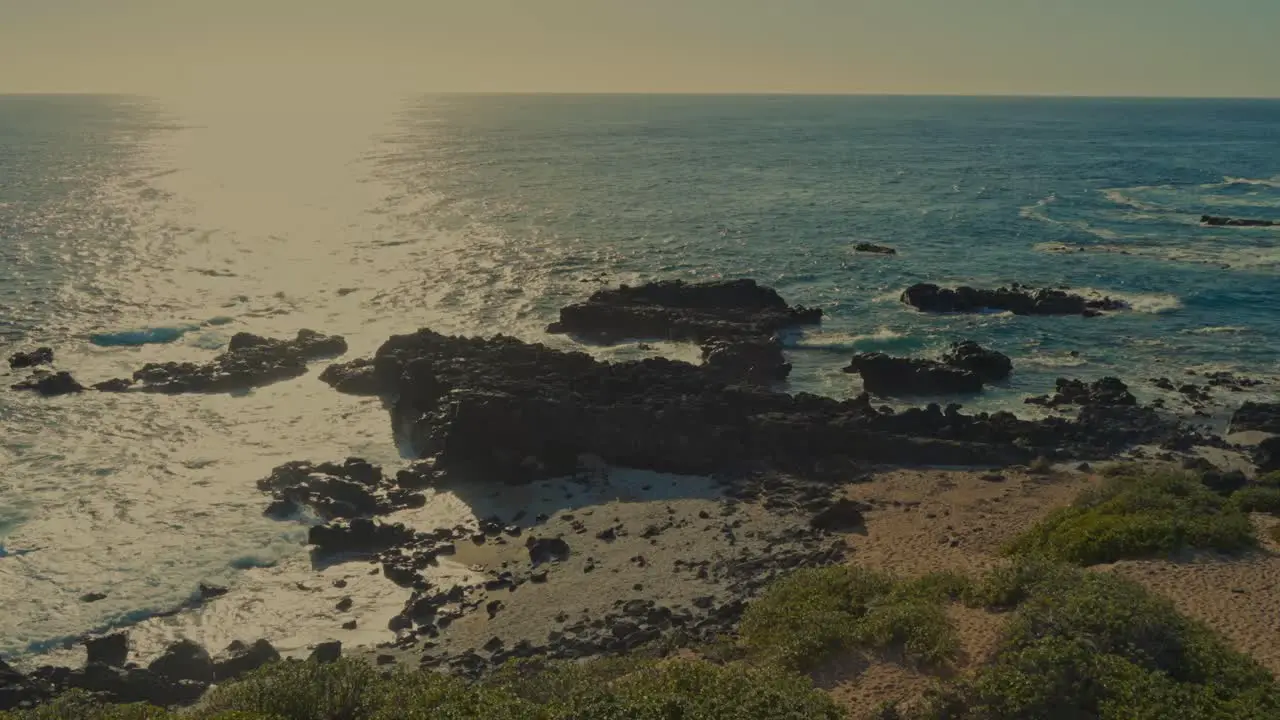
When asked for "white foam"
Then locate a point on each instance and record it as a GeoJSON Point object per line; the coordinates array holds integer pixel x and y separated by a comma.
{"type": "Point", "coordinates": [1119, 197]}
{"type": "Point", "coordinates": [1152, 303]}
{"type": "Point", "coordinates": [1267, 182]}
{"type": "Point", "coordinates": [842, 341]}
{"type": "Point", "coordinates": [1218, 330]}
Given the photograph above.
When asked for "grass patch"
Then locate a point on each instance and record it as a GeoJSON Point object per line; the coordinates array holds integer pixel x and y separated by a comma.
{"type": "Point", "coordinates": [1136, 514]}
{"type": "Point", "coordinates": [1092, 645]}
{"type": "Point", "coordinates": [805, 618]}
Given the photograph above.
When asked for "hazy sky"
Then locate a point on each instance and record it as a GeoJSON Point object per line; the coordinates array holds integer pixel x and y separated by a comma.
{"type": "Point", "coordinates": [1093, 47]}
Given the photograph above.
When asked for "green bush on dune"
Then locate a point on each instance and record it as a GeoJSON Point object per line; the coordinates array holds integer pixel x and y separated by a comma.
{"type": "Point", "coordinates": [803, 619]}
{"type": "Point", "coordinates": [1136, 514]}
{"type": "Point", "coordinates": [1092, 645]}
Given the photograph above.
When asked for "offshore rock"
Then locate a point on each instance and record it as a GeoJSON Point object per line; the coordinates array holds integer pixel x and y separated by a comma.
{"type": "Point", "coordinates": [1018, 299]}
{"type": "Point", "coordinates": [250, 361]}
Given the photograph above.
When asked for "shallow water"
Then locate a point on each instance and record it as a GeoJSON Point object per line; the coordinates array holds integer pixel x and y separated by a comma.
{"type": "Point", "coordinates": [484, 215]}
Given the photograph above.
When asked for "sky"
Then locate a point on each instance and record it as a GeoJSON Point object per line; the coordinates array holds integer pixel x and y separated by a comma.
{"type": "Point", "coordinates": [1188, 48]}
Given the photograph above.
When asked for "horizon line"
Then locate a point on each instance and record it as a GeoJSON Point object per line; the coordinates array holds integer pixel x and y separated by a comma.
{"type": "Point", "coordinates": [679, 93]}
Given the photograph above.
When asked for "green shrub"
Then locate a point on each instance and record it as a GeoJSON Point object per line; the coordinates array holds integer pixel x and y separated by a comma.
{"type": "Point", "coordinates": [1139, 516]}
{"type": "Point", "coordinates": [1258, 498]}
{"type": "Point", "coordinates": [1092, 645]}
{"type": "Point", "coordinates": [295, 690]}
{"type": "Point", "coordinates": [804, 618]}
{"type": "Point", "coordinates": [77, 705]}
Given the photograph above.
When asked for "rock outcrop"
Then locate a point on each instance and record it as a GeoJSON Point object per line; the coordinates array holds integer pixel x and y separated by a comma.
{"type": "Point", "coordinates": [1109, 391]}
{"type": "Point", "coordinates": [676, 310]}
{"type": "Point", "coordinates": [989, 365]}
{"type": "Point", "coordinates": [502, 409]}
{"type": "Point", "coordinates": [51, 384]}
{"type": "Point", "coordinates": [896, 377]}
{"type": "Point", "coordinates": [350, 490]}
{"type": "Point", "coordinates": [1263, 417]}
{"type": "Point", "coordinates": [250, 361]}
{"type": "Point", "coordinates": [1017, 299]}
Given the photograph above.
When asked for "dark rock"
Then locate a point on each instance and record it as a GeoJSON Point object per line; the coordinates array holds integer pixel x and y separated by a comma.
{"type": "Point", "coordinates": [866, 247]}
{"type": "Point", "coordinates": [352, 625]}
{"type": "Point", "coordinates": [1263, 417]}
{"type": "Point", "coordinates": [184, 660]}
{"type": "Point", "coordinates": [758, 361]}
{"type": "Point", "coordinates": [115, 385]}
{"type": "Point", "coordinates": [209, 592]}
{"type": "Point", "coordinates": [1108, 391]}
{"type": "Point", "coordinates": [989, 365]}
{"type": "Point", "coordinates": [1267, 455]}
{"type": "Point", "coordinates": [545, 550]}
{"type": "Point", "coordinates": [17, 690]}
{"type": "Point", "coordinates": [351, 490]}
{"type": "Point", "coordinates": [344, 604]}
{"type": "Point", "coordinates": [327, 652]}
{"type": "Point", "coordinates": [250, 361]}
{"type": "Point", "coordinates": [358, 377]}
{"type": "Point", "coordinates": [241, 659]}
{"type": "Point", "coordinates": [34, 358]}
{"type": "Point", "coordinates": [678, 310]}
{"type": "Point", "coordinates": [844, 515]}
{"type": "Point", "coordinates": [891, 376]}
{"type": "Point", "coordinates": [93, 597]}
{"type": "Point", "coordinates": [359, 536]}
{"type": "Point", "coordinates": [382, 660]}
{"type": "Point", "coordinates": [111, 650]}
{"type": "Point", "coordinates": [1218, 221]}
{"type": "Point", "coordinates": [51, 384]}
{"type": "Point", "coordinates": [1018, 299]}
{"type": "Point", "coordinates": [502, 410]}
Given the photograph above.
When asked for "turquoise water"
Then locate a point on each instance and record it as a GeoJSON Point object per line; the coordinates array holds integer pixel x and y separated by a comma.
{"type": "Point", "coordinates": [134, 230]}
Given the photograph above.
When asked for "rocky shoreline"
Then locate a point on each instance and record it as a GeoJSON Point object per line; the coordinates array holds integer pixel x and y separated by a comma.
{"type": "Point", "coordinates": [729, 481]}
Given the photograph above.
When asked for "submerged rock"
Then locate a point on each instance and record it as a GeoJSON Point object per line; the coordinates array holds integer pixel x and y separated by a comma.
{"type": "Point", "coordinates": [1018, 299]}
{"type": "Point", "coordinates": [989, 365]}
{"type": "Point", "coordinates": [250, 361]}
{"type": "Point", "coordinates": [873, 248]}
{"type": "Point", "coordinates": [33, 358]}
{"type": "Point", "coordinates": [677, 310]}
{"type": "Point", "coordinates": [1219, 221]}
{"type": "Point", "coordinates": [891, 376]}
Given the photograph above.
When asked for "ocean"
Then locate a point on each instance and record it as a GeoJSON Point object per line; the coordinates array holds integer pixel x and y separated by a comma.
{"type": "Point", "coordinates": [135, 230]}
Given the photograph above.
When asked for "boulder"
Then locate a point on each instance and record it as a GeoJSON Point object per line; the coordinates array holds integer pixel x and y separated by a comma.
{"type": "Point", "coordinates": [844, 515]}
{"type": "Point", "coordinates": [989, 365]}
{"type": "Point", "coordinates": [677, 310]}
{"type": "Point", "coordinates": [240, 659]}
{"type": "Point", "coordinates": [30, 359]}
{"type": "Point", "coordinates": [891, 376]}
{"type": "Point", "coordinates": [51, 384]}
{"type": "Point", "coordinates": [1266, 456]}
{"type": "Point", "coordinates": [250, 361]}
{"type": "Point", "coordinates": [327, 652]}
{"type": "Point", "coordinates": [184, 660]}
{"type": "Point", "coordinates": [111, 650]}
{"type": "Point", "coordinates": [1018, 299]}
